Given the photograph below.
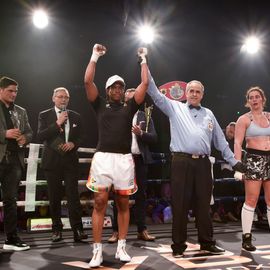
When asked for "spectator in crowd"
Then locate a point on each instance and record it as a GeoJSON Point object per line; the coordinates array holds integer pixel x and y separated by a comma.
{"type": "Point", "coordinates": [226, 169]}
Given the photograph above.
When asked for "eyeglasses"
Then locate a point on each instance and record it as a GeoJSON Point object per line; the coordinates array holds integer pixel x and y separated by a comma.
{"type": "Point", "coordinates": [62, 97]}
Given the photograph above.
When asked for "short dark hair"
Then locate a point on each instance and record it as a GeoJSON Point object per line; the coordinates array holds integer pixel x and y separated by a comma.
{"type": "Point", "coordinates": [6, 81]}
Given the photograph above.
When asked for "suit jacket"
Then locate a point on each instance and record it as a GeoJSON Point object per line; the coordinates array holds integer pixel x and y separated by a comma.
{"type": "Point", "coordinates": [24, 127]}
{"type": "Point", "coordinates": [147, 138]}
{"type": "Point", "coordinates": [48, 132]}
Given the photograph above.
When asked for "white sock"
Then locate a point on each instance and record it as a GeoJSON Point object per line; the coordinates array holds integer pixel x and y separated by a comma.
{"type": "Point", "coordinates": [247, 216]}
{"type": "Point", "coordinates": [268, 214]}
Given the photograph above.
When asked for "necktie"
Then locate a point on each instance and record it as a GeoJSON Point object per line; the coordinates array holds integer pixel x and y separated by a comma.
{"type": "Point", "coordinates": [194, 107]}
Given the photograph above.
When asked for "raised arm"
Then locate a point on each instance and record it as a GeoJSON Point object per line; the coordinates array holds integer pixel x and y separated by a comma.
{"type": "Point", "coordinates": [161, 101]}
{"type": "Point", "coordinates": [142, 87]}
{"type": "Point", "coordinates": [90, 87]}
{"type": "Point", "coordinates": [240, 131]}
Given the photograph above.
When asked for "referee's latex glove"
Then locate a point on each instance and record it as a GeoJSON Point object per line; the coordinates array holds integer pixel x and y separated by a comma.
{"type": "Point", "coordinates": [240, 167]}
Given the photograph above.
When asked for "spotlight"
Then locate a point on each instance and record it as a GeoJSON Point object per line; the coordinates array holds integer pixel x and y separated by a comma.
{"type": "Point", "coordinates": [251, 45]}
{"type": "Point", "coordinates": [40, 19]}
{"type": "Point", "coordinates": [146, 34]}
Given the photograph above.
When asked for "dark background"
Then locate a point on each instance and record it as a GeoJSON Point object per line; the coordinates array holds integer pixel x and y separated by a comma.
{"type": "Point", "coordinates": [196, 40]}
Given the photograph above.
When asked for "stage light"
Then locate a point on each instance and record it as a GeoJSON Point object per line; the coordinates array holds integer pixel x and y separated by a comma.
{"type": "Point", "coordinates": [146, 34]}
{"type": "Point", "coordinates": [251, 45]}
{"type": "Point", "coordinates": [40, 19]}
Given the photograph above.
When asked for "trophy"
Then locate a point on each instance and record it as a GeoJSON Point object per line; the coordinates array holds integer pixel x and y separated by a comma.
{"type": "Point", "coordinates": [148, 112]}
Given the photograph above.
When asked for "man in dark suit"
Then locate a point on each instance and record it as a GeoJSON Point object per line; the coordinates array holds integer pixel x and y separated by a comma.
{"type": "Point", "coordinates": [60, 131]}
{"type": "Point", "coordinates": [15, 133]}
{"type": "Point", "coordinates": [143, 134]}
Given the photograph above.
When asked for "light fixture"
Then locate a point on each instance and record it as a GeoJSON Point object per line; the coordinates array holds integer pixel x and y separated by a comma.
{"type": "Point", "coordinates": [146, 34]}
{"type": "Point", "coordinates": [40, 19]}
{"type": "Point", "coordinates": [251, 45]}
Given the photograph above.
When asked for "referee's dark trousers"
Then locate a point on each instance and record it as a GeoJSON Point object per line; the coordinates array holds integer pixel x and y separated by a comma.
{"type": "Point", "coordinates": [191, 184]}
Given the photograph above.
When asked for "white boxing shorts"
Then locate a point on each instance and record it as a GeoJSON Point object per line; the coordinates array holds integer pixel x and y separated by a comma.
{"type": "Point", "coordinates": [112, 169]}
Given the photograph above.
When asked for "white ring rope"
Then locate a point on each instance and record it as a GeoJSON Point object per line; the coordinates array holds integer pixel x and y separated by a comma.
{"type": "Point", "coordinates": [32, 182]}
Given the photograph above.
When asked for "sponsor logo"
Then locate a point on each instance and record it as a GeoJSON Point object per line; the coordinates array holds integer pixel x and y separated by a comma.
{"type": "Point", "coordinates": [43, 224]}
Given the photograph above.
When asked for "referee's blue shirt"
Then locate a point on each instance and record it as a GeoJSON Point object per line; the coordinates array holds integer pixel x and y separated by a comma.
{"type": "Point", "coordinates": [192, 131]}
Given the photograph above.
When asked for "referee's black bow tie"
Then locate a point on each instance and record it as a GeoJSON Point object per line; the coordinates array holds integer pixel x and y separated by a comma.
{"type": "Point", "coordinates": [194, 107]}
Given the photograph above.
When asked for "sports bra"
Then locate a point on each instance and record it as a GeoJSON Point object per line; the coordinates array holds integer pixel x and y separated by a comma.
{"type": "Point", "coordinates": [255, 130]}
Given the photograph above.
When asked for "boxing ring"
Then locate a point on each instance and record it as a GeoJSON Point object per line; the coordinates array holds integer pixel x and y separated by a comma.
{"type": "Point", "coordinates": [67, 255]}
{"type": "Point", "coordinates": [226, 189]}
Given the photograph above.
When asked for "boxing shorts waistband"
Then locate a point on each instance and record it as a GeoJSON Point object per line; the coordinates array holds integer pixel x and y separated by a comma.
{"type": "Point", "coordinates": [258, 152]}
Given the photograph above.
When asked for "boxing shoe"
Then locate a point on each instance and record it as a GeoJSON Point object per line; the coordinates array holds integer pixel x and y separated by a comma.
{"type": "Point", "coordinates": [97, 258]}
{"type": "Point", "coordinates": [121, 253]}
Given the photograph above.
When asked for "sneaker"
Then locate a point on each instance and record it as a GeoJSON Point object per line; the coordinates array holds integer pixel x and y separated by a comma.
{"type": "Point", "coordinates": [121, 251]}
{"type": "Point", "coordinates": [97, 258]}
{"type": "Point", "coordinates": [247, 242]}
{"type": "Point", "coordinates": [113, 238]}
{"type": "Point", "coordinates": [15, 244]}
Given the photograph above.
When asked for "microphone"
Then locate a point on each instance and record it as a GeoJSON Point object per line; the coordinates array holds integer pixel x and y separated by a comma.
{"type": "Point", "coordinates": [63, 108]}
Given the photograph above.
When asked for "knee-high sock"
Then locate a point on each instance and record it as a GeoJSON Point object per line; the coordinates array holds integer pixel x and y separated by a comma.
{"type": "Point", "coordinates": [268, 214]}
{"type": "Point", "coordinates": [247, 216]}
